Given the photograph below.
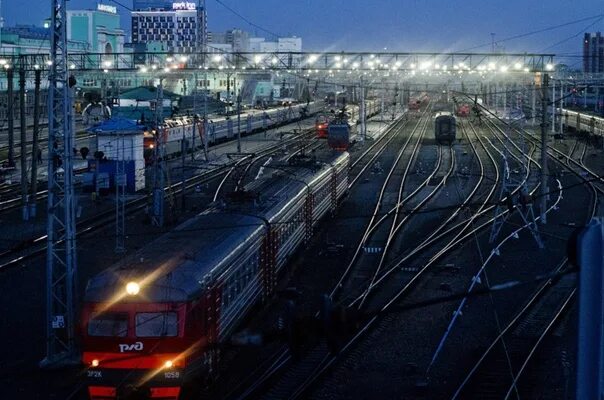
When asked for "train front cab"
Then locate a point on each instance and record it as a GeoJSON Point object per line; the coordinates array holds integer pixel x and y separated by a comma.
{"type": "Point", "coordinates": [321, 126]}
{"type": "Point", "coordinates": [140, 350]}
{"type": "Point", "coordinates": [339, 136]}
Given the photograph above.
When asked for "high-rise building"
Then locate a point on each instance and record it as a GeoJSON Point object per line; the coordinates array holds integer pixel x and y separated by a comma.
{"type": "Point", "coordinates": [180, 29]}
{"type": "Point", "coordinates": [593, 53]}
{"type": "Point", "coordinates": [151, 5]}
{"type": "Point", "coordinates": [237, 38]}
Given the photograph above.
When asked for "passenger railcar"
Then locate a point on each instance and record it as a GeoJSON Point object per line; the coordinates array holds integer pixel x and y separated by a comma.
{"type": "Point", "coordinates": [154, 320]}
{"type": "Point", "coordinates": [444, 128]}
{"type": "Point", "coordinates": [173, 130]}
{"type": "Point", "coordinates": [582, 122]}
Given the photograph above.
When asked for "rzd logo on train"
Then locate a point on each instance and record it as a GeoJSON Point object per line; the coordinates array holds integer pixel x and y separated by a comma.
{"type": "Point", "coordinates": [138, 346]}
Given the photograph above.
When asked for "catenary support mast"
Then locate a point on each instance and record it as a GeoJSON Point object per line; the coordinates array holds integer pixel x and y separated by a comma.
{"type": "Point", "coordinates": [61, 263]}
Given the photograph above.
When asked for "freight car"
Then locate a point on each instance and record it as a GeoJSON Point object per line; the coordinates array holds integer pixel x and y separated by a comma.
{"type": "Point", "coordinates": [156, 319]}
{"type": "Point", "coordinates": [444, 128]}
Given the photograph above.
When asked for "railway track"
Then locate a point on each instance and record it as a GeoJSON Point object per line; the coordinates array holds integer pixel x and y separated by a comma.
{"type": "Point", "coordinates": [500, 371]}
{"type": "Point", "coordinates": [309, 380]}
{"type": "Point", "coordinates": [499, 368]}
{"type": "Point", "coordinates": [296, 380]}
{"type": "Point", "coordinates": [275, 364]}
{"type": "Point", "coordinates": [301, 373]}
{"type": "Point", "coordinates": [375, 324]}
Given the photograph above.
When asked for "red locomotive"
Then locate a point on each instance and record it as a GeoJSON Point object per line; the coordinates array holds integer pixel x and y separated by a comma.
{"type": "Point", "coordinates": [153, 322]}
{"type": "Point", "coordinates": [322, 125]}
{"type": "Point", "coordinates": [416, 102]}
{"type": "Point", "coordinates": [463, 110]}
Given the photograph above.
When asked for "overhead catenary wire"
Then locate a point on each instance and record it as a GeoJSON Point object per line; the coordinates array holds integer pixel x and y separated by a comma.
{"type": "Point", "coordinates": [526, 34]}
{"type": "Point", "coordinates": [248, 21]}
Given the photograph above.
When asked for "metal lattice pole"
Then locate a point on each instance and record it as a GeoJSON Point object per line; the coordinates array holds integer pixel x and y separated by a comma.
{"type": "Point", "coordinates": [61, 263]}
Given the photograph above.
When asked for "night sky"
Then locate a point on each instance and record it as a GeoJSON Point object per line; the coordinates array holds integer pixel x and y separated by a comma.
{"type": "Point", "coordinates": [414, 25]}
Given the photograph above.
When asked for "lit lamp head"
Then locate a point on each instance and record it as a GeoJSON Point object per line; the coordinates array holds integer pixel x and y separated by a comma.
{"type": "Point", "coordinates": [133, 288]}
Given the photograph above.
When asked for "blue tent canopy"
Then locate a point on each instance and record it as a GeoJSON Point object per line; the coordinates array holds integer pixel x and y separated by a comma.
{"type": "Point", "coordinates": [117, 125]}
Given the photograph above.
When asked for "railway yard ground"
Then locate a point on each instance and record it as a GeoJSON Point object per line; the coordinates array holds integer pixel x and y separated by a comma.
{"type": "Point", "coordinates": [395, 356]}
{"type": "Point", "coordinates": [415, 226]}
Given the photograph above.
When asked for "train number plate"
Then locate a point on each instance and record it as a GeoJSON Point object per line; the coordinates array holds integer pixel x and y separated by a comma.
{"type": "Point", "coordinates": [172, 375]}
{"type": "Point", "coordinates": [95, 374]}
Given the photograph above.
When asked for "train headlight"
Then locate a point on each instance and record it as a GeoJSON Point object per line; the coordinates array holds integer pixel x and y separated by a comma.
{"type": "Point", "coordinates": [94, 363]}
{"type": "Point", "coordinates": [132, 288]}
{"type": "Point", "coordinates": [168, 364]}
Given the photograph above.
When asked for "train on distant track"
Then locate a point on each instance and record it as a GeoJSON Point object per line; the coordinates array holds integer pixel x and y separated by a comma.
{"type": "Point", "coordinates": [156, 320]}
{"type": "Point", "coordinates": [583, 122]}
{"type": "Point", "coordinates": [444, 128]}
{"type": "Point", "coordinates": [321, 125]}
{"type": "Point", "coordinates": [418, 101]}
{"type": "Point", "coordinates": [463, 110]}
{"type": "Point", "coordinates": [343, 126]}
{"type": "Point", "coordinates": [174, 130]}
{"type": "Point", "coordinates": [336, 98]}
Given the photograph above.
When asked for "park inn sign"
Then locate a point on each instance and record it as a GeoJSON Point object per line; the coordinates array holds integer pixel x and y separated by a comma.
{"type": "Point", "coordinates": [183, 6]}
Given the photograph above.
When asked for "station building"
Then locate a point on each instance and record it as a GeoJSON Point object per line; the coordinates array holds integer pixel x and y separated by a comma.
{"type": "Point", "coordinates": [99, 29]}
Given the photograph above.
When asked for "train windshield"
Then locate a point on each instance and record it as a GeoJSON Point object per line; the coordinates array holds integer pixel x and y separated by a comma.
{"type": "Point", "coordinates": [108, 324]}
{"type": "Point", "coordinates": [153, 324]}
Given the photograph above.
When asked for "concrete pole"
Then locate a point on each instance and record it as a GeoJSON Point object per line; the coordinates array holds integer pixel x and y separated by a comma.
{"type": "Point", "coordinates": [183, 151]}
{"type": "Point", "coordinates": [34, 145]}
{"type": "Point", "coordinates": [10, 110]}
{"type": "Point", "coordinates": [533, 104]}
{"type": "Point", "coordinates": [335, 101]}
{"type": "Point", "coordinates": [23, 145]}
{"type": "Point", "coordinates": [239, 123]}
{"type": "Point", "coordinates": [561, 105]}
{"type": "Point", "coordinates": [363, 113]}
{"type": "Point", "coordinates": [194, 119]}
{"type": "Point", "coordinates": [553, 128]}
{"type": "Point", "coordinates": [590, 335]}
{"type": "Point", "coordinates": [544, 173]}
{"type": "Point", "coordinates": [505, 97]}
{"type": "Point", "coordinates": [205, 113]}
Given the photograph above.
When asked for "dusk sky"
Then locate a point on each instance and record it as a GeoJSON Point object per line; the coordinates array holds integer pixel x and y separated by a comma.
{"type": "Point", "coordinates": [414, 25]}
